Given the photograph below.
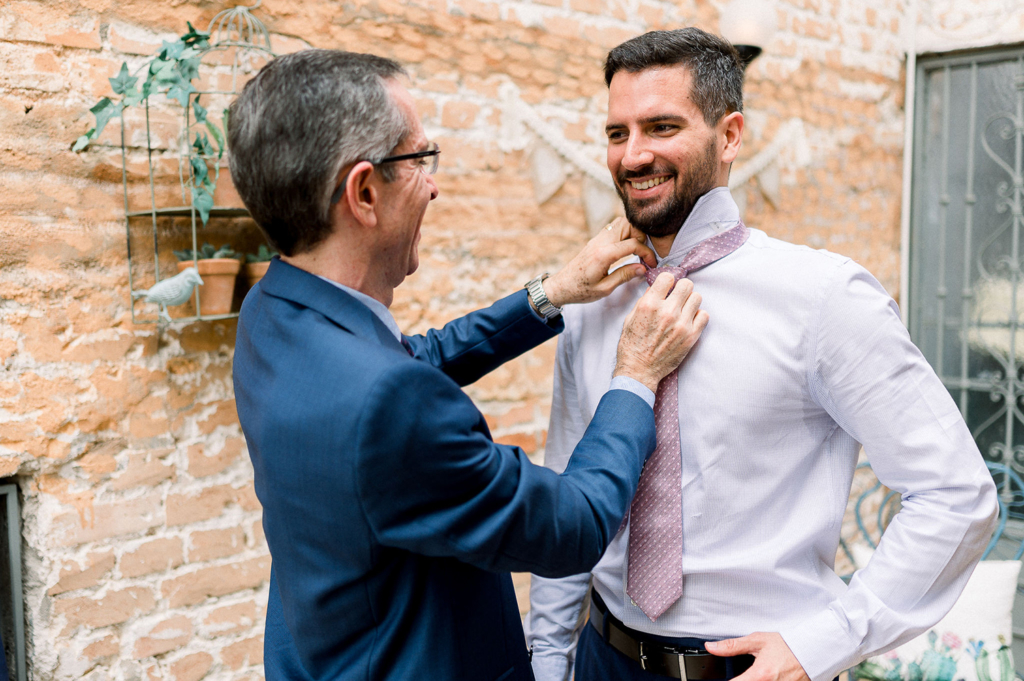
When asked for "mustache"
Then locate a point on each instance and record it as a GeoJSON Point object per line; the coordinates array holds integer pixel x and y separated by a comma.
{"type": "Point", "coordinates": [625, 176]}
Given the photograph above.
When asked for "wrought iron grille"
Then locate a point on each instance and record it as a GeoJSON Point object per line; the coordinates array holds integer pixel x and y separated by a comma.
{"type": "Point", "coordinates": [966, 281]}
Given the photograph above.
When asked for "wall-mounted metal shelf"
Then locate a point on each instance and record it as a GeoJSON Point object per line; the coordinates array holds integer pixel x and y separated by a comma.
{"type": "Point", "coordinates": [239, 45]}
{"type": "Point", "coordinates": [186, 211]}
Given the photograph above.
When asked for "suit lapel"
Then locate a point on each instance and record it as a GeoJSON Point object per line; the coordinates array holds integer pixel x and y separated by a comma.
{"type": "Point", "coordinates": [298, 286]}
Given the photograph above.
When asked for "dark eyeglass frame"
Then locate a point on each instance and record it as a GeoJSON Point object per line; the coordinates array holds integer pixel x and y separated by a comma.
{"type": "Point", "coordinates": [435, 152]}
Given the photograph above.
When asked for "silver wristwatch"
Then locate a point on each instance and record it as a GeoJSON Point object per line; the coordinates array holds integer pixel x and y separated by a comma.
{"type": "Point", "coordinates": [535, 287]}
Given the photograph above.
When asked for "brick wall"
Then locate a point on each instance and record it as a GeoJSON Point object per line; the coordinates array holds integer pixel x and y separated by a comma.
{"type": "Point", "coordinates": [144, 554]}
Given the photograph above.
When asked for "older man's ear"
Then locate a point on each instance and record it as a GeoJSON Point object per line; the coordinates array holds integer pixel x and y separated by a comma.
{"type": "Point", "coordinates": [361, 197]}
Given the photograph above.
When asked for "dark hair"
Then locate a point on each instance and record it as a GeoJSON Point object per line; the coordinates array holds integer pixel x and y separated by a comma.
{"type": "Point", "coordinates": [296, 125]}
{"type": "Point", "coordinates": [714, 64]}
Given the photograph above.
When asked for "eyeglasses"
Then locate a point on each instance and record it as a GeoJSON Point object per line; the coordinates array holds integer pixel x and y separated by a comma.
{"type": "Point", "coordinates": [426, 161]}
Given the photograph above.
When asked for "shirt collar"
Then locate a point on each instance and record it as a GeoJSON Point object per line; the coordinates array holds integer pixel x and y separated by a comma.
{"type": "Point", "coordinates": [376, 307]}
{"type": "Point", "coordinates": [713, 213]}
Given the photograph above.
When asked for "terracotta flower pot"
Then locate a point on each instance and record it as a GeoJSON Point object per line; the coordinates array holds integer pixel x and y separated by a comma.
{"type": "Point", "coordinates": [254, 271]}
{"type": "Point", "coordinates": [218, 288]}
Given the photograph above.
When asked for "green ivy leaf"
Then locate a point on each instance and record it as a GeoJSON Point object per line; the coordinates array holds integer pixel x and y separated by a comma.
{"type": "Point", "coordinates": [131, 98]}
{"type": "Point", "coordinates": [104, 111]}
{"type": "Point", "coordinates": [203, 202]}
{"type": "Point", "coordinates": [202, 145]}
{"type": "Point", "coordinates": [199, 111]}
{"type": "Point", "coordinates": [200, 173]}
{"type": "Point", "coordinates": [123, 81]}
{"type": "Point", "coordinates": [181, 91]}
{"type": "Point", "coordinates": [195, 37]}
{"type": "Point", "coordinates": [189, 68]}
{"type": "Point", "coordinates": [171, 51]}
{"type": "Point", "coordinates": [217, 137]}
{"type": "Point", "coordinates": [83, 141]}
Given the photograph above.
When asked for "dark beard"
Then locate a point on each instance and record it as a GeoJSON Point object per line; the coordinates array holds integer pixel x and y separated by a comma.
{"type": "Point", "coordinates": [669, 218]}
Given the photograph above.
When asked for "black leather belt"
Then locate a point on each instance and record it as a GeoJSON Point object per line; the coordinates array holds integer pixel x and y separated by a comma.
{"type": "Point", "coordinates": [657, 657]}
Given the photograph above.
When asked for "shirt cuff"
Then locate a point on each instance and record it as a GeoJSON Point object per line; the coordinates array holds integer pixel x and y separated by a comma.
{"type": "Point", "coordinates": [634, 386]}
{"type": "Point", "coordinates": [822, 645]}
{"type": "Point", "coordinates": [552, 666]}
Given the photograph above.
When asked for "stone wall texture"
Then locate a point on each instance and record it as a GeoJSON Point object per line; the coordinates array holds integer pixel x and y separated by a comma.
{"type": "Point", "coordinates": [144, 556]}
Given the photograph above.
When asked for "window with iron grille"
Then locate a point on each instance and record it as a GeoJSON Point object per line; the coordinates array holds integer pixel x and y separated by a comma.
{"type": "Point", "coordinates": [966, 292]}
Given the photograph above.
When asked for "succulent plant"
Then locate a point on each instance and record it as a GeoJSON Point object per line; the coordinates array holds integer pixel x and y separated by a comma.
{"type": "Point", "coordinates": [264, 254]}
{"type": "Point", "coordinates": [207, 252]}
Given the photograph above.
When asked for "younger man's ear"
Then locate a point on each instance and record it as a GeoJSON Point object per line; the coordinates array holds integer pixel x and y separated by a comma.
{"type": "Point", "coordinates": [731, 130]}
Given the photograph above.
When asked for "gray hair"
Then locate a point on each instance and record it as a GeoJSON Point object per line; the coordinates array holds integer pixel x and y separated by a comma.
{"type": "Point", "coordinates": [293, 128]}
{"type": "Point", "coordinates": [714, 65]}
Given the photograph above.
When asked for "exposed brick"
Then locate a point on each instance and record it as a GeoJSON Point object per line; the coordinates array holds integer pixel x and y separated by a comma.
{"type": "Point", "coordinates": [73, 577]}
{"type": "Point", "coordinates": [107, 646]}
{"type": "Point", "coordinates": [211, 544]}
{"type": "Point", "coordinates": [459, 114]}
{"type": "Point", "coordinates": [259, 538]}
{"type": "Point", "coordinates": [247, 499]}
{"type": "Point", "coordinates": [143, 470]}
{"type": "Point", "coordinates": [231, 619]}
{"type": "Point", "coordinates": [195, 587]}
{"type": "Point", "coordinates": [202, 463]}
{"type": "Point", "coordinates": [224, 415]}
{"type": "Point", "coordinates": [9, 466]}
{"type": "Point", "coordinates": [109, 520]}
{"type": "Point", "coordinates": [164, 637]}
{"type": "Point", "coordinates": [191, 667]}
{"type": "Point", "coordinates": [245, 652]}
{"type": "Point", "coordinates": [526, 441]}
{"type": "Point", "coordinates": [114, 608]}
{"type": "Point", "coordinates": [99, 462]}
{"type": "Point", "coordinates": [183, 509]}
{"type": "Point", "coordinates": [157, 555]}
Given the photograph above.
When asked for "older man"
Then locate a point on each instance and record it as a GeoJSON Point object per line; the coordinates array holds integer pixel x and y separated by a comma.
{"type": "Point", "coordinates": [735, 526]}
{"type": "Point", "coordinates": [391, 515]}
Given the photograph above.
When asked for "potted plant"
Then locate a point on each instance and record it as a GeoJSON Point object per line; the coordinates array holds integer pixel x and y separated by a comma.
{"type": "Point", "coordinates": [219, 268]}
{"type": "Point", "coordinates": [256, 264]}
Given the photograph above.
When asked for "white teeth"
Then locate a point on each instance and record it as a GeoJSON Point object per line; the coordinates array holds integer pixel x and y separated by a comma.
{"type": "Point", "coordinates": [647, 184]}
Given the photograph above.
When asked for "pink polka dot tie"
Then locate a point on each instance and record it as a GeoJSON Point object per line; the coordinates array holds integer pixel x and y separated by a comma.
{"type": "Point", "coordinates": [655, 578]}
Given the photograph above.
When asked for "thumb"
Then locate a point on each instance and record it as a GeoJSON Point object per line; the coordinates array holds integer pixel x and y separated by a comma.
{"type": "Point", "coordinates": [734, 646]}
{"type": "Point", "coordinates": [620, 276]}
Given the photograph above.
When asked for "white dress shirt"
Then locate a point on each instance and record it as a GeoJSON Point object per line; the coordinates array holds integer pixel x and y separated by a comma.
{"type": "Point", "coordinates": [804, 357]}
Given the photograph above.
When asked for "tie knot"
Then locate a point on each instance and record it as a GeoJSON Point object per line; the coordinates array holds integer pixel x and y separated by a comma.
{"type": "Point", "coordinates": [704, 253]}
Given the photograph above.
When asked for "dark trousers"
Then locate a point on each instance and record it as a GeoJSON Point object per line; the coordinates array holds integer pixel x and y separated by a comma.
{"type": "Point", "coordinates": [596, 660]}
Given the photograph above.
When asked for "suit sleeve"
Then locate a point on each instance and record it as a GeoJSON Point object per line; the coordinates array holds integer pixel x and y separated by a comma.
{"type": "Point", "coordinates": [433, 482]}
{"type": "Point", "coordinates": [472, 346]}
{"type": "Point", "coordinates": [878, 387]}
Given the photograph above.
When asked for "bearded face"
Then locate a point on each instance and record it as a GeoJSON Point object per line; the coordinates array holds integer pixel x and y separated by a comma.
{"type": "Point", "coordinates": [665, 214]}
{"type": "Point", "coordinates": [662, 153]}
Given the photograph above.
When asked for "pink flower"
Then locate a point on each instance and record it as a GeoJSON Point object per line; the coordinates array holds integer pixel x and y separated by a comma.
{"type": "Point", "coordinates": [892, 655]}
{"type": "Point", "coordinates": [952, 640]}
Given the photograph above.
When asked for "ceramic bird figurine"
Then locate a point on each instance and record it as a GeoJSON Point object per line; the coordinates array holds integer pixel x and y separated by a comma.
{"type": "Point", "coordinates": [173, 291]}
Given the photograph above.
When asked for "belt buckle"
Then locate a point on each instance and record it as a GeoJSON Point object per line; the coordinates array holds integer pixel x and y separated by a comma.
{"type": "Point", "coordinates": [682, 655]}
{"type": "Point", "coordinates": [643, 657]}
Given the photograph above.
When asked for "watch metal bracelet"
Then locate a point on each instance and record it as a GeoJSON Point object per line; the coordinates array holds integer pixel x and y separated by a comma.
{"type": "Point", "coordinates": [535, 287]}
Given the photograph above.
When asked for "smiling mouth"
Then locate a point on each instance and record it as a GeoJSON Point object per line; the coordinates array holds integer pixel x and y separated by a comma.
{"type": "Point", "coordinates": [647, 184]}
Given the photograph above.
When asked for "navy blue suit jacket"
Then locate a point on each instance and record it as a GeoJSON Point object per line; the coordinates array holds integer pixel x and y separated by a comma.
{"type": "Point", "coordinates": [392, 517]}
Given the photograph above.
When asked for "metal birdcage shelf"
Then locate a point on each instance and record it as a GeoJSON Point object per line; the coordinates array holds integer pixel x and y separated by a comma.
{"type": "Point", "coordinates": [239, 44]}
